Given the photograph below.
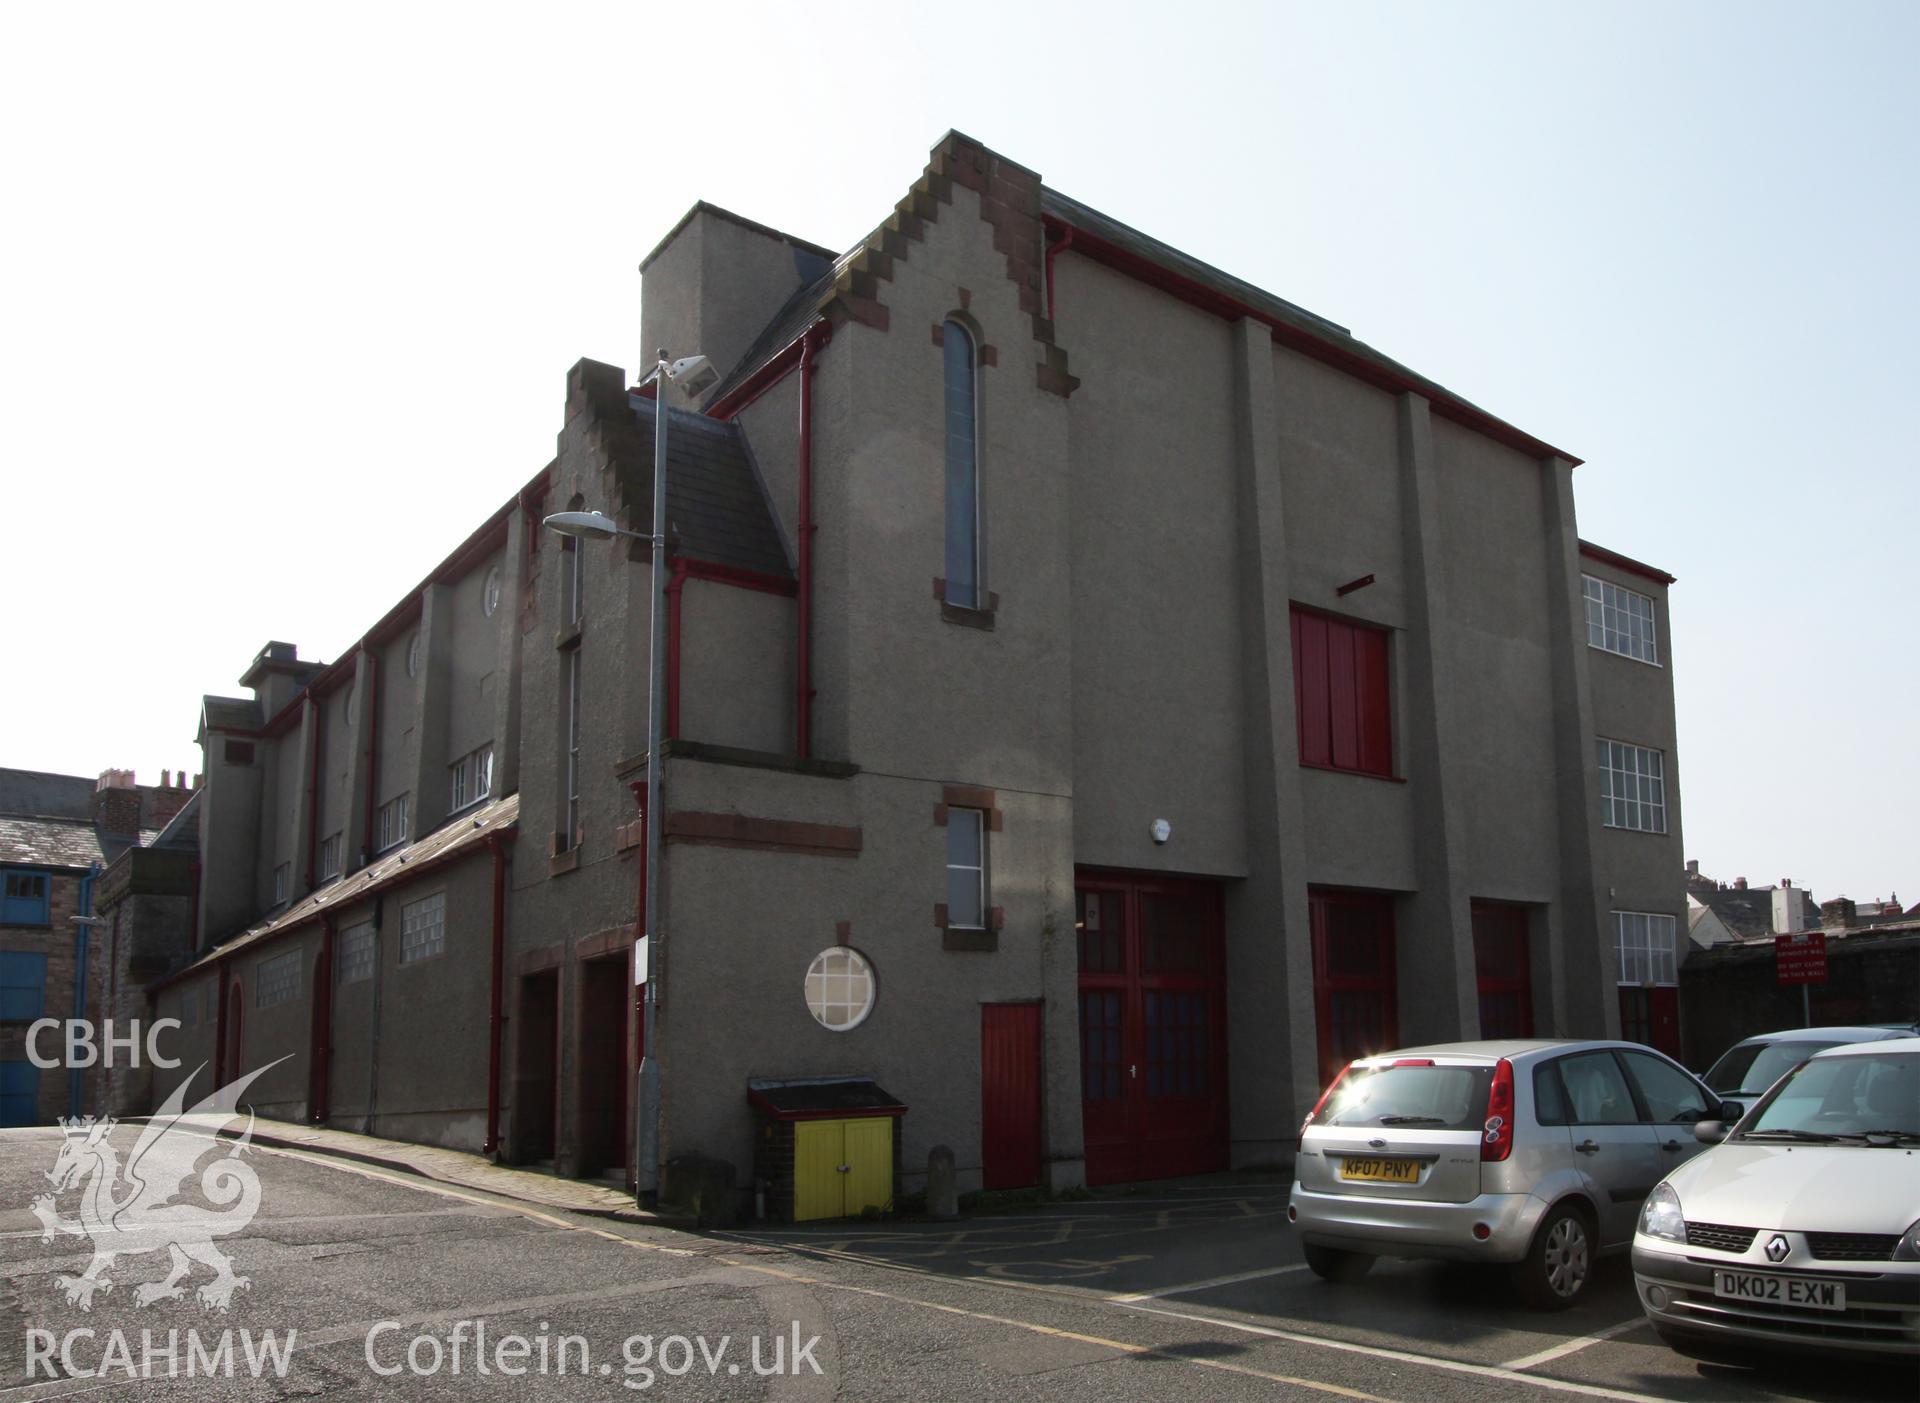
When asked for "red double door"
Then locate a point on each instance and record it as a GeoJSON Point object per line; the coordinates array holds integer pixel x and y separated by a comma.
{"type": "Point", "coordinates": [1153, 1047]}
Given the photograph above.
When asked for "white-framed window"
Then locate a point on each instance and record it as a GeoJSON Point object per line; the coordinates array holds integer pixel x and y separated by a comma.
{"type": "Point", "coordinates": [841, 988]}
{"type": "Point", "coordinates": [330, 856]}
{"type": "Point", "coordinates": [1620, 621]}
{"type": "Point", "coordinates": [393, 823]}
{"type": "Point", "coordinates": [355, 960]}
{"type": "Point", "coordinates": [1644, 943]}
{"type": "Point", "coordinates": [276, 980]}
{"type": "Point", "coordinates": [490, 592]}
{"type": "Point", "coordinates": [576, 581]}
{"type": "Point", "coordinates": [423, 928]}
{"type": "Point", "coordinates": [966, 869]}
{"type": "Point", "coordinates": [961, 421]}
{"type": "Point", "coordinates": [1633, 787]}
{"type": "Point", "coordinates": [282, 883]}
{"type": "Point", "coordinates": [470, 778]}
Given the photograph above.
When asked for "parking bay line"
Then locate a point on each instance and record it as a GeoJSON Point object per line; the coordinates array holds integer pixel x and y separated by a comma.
{"type": "Point", "coordinates": [1561, 1351]}
{"type": "Point", "coordinates": [1188, 1288]}
{"type": "Point", "coordinates": [1403, 1356]}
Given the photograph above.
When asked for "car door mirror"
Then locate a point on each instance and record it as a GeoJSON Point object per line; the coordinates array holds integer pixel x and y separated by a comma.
{"type": "Point", "coordinates": [1731, 1111]}
{"type": "Point", "coordinates": [1710, 1132]}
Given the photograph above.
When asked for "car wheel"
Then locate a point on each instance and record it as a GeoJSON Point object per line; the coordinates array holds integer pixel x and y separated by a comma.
{"type": "Point", "coordinates": [1554, 1273]}
{"type": "Point", "coordinates": [1332, 1264]}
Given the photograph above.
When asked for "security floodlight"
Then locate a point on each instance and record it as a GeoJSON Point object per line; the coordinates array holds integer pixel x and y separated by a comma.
{"type": "Point", "coordinates": [587, 526]}
{"type": "Point", "coordinates": [693, 374]}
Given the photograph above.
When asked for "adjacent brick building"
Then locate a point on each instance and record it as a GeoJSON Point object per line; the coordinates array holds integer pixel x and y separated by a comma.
{"type": "Point", "coordinates": [1101, 696]}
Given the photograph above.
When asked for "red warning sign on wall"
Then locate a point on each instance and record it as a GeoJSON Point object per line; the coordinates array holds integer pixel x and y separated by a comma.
{"type": "Point", "coordinates": [1800, 959]}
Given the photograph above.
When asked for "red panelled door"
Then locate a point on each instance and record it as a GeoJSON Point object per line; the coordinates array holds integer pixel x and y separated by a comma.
{"type": "Point", "coordinates": [1355, 992]}
{"type": "Point", "coordinates": [1152, 1027]}
{"type": "Point", "coordinates": [1502, 970]}
{"type": "Point", "coordinates": [1651, 1015]}
{"type": "Point", "coordinates": [1010, 1095]}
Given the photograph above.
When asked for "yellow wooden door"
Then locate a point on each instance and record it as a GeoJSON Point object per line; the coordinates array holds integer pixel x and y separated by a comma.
{"type": "Point", "coordinates": [817, 1178]}
{"type": "Point", "coordinates": [869, 1161]}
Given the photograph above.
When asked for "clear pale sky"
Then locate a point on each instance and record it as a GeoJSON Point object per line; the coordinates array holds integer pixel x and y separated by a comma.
{"type": "Point", "coordinates": [289, 298]}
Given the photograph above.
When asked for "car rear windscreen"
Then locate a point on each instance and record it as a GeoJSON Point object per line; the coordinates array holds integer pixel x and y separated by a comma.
{"type": "Point", "coordinates": [1425, 1098]}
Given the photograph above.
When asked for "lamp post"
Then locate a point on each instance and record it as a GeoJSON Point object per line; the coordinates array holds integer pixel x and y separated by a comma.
{"type": "Point", "coordinates": [692, 374]}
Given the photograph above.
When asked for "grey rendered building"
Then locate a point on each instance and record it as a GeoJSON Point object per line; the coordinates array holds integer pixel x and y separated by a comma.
{"type": "Point", "coordinates": [1102, 696]}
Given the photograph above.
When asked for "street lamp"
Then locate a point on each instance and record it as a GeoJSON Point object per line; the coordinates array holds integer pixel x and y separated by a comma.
{"type": "Point", "coordinates": [692, 374]}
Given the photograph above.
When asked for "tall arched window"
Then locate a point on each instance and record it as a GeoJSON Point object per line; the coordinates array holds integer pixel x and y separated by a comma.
{"type": "Point", "coordinates": [963, 469]}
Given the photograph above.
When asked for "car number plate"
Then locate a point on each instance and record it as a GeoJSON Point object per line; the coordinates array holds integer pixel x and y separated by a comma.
{"type": "Point", "coordinates": [1780, 1290]}
{"type": "Point", "coordinates": [1381, 1171]}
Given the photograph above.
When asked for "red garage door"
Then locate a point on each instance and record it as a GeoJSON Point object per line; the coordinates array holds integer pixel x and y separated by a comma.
{"type": "Point", "coordinates": [1010, 1095]}
{"type": "Point", "coordinates": [1152, 1027]}
{"type": "Point", "coordinates": [1355, 991]}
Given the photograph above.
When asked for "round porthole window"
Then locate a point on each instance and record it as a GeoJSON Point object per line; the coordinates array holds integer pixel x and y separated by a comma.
{"type": "Point", "coordinates": [840, 988]}
{"type": "Point", "coordinates": [413, 656]}
{"type": "Point", "coordinates": [490, 592]}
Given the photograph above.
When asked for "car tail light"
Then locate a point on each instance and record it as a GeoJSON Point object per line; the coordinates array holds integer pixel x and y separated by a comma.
{"type": "Point", "coordinates": [1413, 1061]}
{"type": "Point", "coordinates": [1497, 1143]}
{"type": "Point", "coordinates": [1325, 1096]}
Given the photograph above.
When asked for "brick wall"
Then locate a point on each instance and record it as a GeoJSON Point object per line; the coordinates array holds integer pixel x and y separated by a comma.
{"type": "Point", "coordinates": [56, 940]}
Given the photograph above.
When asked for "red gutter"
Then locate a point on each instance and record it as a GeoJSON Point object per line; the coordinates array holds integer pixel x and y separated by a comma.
{"type": "Point", "coordinates": [313, 792]}
{"type": "Point", "coordinates": [1626, 563]}
{"type": "Point", "coordinates": [674, 587]}
{"type": "Point", "coordinates": [771, 373]}
{"type": "Point", "coordinates": [816, 336]}
{"type": "Point", "coordinates": [494, 1021]}
{"type": "Point", "coordinates": [1066, 242]}
{"type": "Point", "coordinates": [321, 1108]}
{"type": "Point", "coordinates": [1300, 339]}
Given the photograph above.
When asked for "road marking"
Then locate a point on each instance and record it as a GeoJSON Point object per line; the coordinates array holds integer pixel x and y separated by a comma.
{"type": "Point", "coordinates": [1561, 1351]}
{"type": "Point", "coordinates": [1403, 1356]}
{"type": "Point", "coordinates": [1190, 1287]}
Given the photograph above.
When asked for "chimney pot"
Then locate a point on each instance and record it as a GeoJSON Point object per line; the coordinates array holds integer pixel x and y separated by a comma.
{"type": "Point", "coordinates": [166, 779]}
{"type": "Point", "coordinates": [1739, 883]}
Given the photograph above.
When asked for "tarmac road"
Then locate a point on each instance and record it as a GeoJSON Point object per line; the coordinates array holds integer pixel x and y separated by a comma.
{"type": "Point", "coordinates": [384, 1281]}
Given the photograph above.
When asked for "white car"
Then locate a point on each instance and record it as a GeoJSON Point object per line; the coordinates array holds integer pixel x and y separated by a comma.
{"type": "Point", "coordinates": [1753, 1064]}
{"type": "Point", "coordinates": [1800, 1229]}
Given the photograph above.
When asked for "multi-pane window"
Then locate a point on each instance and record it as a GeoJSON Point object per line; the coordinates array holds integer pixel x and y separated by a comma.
{"type": "Point", "coordinates": [840, 988]}
{"type": "Point", "coordinates": [1645, 946]}
{"type": "Point", "coordinates": [25, 899]}
{"type": "Point", "coordinates": [330, 856]}
{"type": "Point", "coordinates": [470, 778]}
{"type": "Point", "coordinates": [355, 961]}
{"type": "Point", "coordinates": [1620, 620]}
{"type": "Point", "coordinates": [1633, 787]}
{"type": "Point", "coordinates": [1342, 704]}
{"type": "Point", "coordinates": [23, 983]}
{"type": "Point", "coordinates": [962, 467]}
{"type": "Point", "coordinates": [393, 822]}
{"type": "Point", "coordinates": [423, 928]}
{"type": "Point", "coordinates": [966, 869]}
{"type": "Point", "coordinates": [277, 980]}
{"type": "Point", "coordinates": [282, 883]}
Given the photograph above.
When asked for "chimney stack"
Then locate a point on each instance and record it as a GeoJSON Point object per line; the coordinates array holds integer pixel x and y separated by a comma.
{"type": "Point", "coordinates": [116, 803]}
{"type": "Point", "coordinates": [1739, 883]}
{"type": "Point", "coordinates": [1789, 908]}
{"type": "Point", "coordinates": [1838, 914]}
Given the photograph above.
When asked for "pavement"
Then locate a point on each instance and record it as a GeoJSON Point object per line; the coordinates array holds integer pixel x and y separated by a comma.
{"type": "Point", "coordinates": [384, 1282]}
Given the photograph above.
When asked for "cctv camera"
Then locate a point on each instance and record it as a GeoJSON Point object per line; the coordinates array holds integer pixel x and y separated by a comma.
{"type": "Point", "coordinates": [693, 374]}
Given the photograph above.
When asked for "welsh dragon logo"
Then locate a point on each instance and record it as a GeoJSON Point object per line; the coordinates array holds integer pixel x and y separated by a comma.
{"type": "Point", "coordinates": [131, 1210]}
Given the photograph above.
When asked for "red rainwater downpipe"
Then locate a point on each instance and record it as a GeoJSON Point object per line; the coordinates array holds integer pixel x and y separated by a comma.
{"type": "Point", "coordinates": [372, 701]}
{"type": "Point", "coordinates": [321, 1108]}
{"type": "Point", "coordinates": [639, 788]}
{"type": "Point", "coordinates": [1066, 241]}
{"type": "Point", "coordinates": [674, 588]}
{"type": "Point", "coordinates": [817, 336]}
{"type": "Point", "coordinates": [494, 1019]}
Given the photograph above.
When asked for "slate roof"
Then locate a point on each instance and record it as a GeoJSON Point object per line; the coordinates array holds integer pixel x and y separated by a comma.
{"type": "Point", "coordinates": [717, 508]}
{"type": "Point", "coordinates": [457, 835]}
{"type": "Point", "coordinates": [49, 842]}
{"type": "Point", "coordinates": [45, 795]}
{"type": "Point", "coordinates": [231, 713]}
{"type": "Point", "coordinates": [1746, 913]}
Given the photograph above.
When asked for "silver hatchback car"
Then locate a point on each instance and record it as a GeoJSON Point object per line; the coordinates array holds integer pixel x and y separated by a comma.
{"type": "Point", "coordinates": [1532, 1153]}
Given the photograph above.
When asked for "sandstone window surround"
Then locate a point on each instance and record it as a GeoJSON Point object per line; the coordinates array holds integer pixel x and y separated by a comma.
{"type": "Point", "coordinates": [968, 921]}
